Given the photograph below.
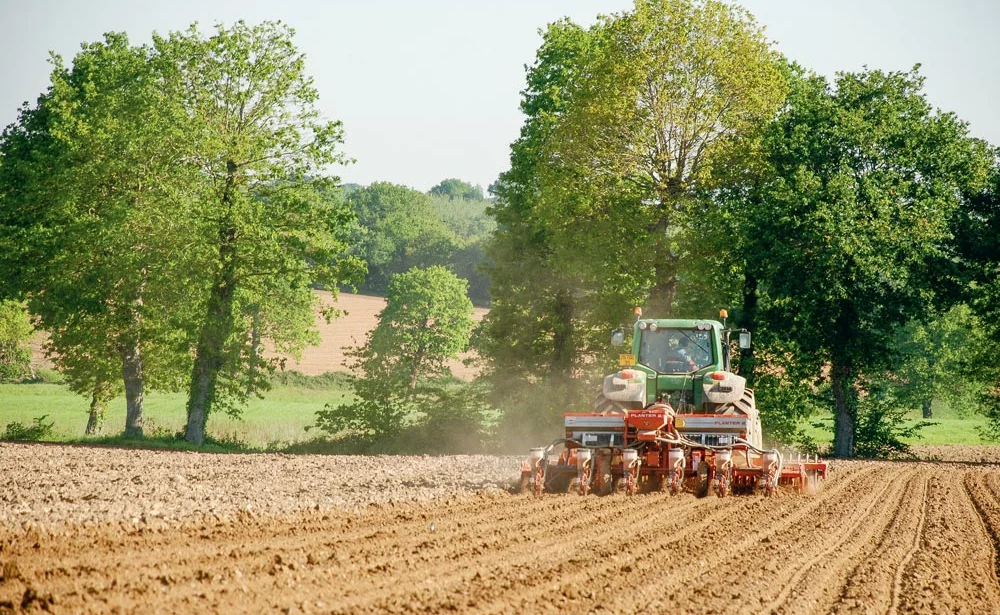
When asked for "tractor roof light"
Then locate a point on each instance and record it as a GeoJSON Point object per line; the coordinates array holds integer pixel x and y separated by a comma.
{"type": "Point", "coordinates": [652, 326]}
{"type": "Point", "coordinates": [642, 325]}
{"type": "Point", "coordinates": [638, 312]}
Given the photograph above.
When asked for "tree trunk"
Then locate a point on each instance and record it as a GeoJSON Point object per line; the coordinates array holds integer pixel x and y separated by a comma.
{"type": "Point", "coordinates": [253, 369]}
{"type": "Point", "coordinates": [210, 351]}
{"type": "Point", "coordinates": [664, 291]}
{"type": "Point", "coordinates": [563, 352]}
{"type": "Point", "coordinates": [928, 412]}
{"type": "Point", "coordinates": [845, 399]}
{"type": "Point", "coordinates": [132, 375]}
{"type": "Point", "coordinates": [219, 321]}
{"type": "Point", "coordinates": [98, 407]}
{"type": "Point", "coordinates": [662, 257]}
{"type": "Point", "coordinates": [748, 322]}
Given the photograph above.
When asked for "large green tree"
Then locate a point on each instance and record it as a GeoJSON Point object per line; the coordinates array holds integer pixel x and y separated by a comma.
{"type": "Point", "coordinates": [92, 227]}
{"type": "Point", "coordinates": [863, 179]}
{"type": "Point", "coordinates": [257, 139]}
{"type": "Point", "coordinates": [599, 211]}
{"type": "Point", "coordinates": [662, 92]}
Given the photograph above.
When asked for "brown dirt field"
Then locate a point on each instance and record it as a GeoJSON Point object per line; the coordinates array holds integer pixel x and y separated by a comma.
{"type": "Point", "coordinates": [350, 330]}
{"type": "Point", "coordinates": [103, 531]}
{"type": "Point", "coordinates": [361, 316]}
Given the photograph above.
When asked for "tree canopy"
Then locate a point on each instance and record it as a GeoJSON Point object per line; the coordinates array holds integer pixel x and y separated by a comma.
{"type": "Point", "coordinates": [163, 208]}
{"type": "Point", "coordinates": [864, 177]}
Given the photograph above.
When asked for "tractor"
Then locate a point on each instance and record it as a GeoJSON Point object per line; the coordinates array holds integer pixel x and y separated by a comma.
{"type": "Point", "coordinates": [674, 417]}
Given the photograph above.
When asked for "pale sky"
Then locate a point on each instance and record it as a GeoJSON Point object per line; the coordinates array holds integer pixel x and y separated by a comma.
{"type": "Point", "coordinates": [429, 89]}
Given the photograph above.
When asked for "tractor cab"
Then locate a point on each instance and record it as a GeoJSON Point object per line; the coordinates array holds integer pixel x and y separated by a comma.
{"type": "Point", "coordinates": [680, 362]}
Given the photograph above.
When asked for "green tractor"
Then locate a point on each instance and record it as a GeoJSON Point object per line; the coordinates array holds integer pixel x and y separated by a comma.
{"type": "Point", "coordinates": [684, 364]}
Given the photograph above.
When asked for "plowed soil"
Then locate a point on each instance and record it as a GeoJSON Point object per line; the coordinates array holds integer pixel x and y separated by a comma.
{"type": "Point", "coordinates": [102, 531]}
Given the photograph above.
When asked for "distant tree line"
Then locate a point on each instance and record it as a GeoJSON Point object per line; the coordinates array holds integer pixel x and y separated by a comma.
{"type": "Point", "coordinates": [400, 228]}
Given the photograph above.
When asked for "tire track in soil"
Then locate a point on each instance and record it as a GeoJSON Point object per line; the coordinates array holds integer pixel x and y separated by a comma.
{"type": "Point", "coordinates": [953, 570]}
{"type": "Point", "coordinates": [869, 586]}
{"type": "Point", "coordinates": [780, 552]}
{"type": "Point", "coordinates": [839, 549]}
{"type": "Point", "coordinates": [633, 554]}
{"type": "Point", "coordinates": [897, 579]}
{"type": "Point", "coordinates": [984, 493]}
{"type": "Point", "coordinates": [614, 511]}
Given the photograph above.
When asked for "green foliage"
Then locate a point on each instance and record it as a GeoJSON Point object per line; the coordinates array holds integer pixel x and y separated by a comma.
{"type": "Point", "coordinates": [268, 226]}
{"type": "Point", "coordinates": [788, 391]}
{"type": "Point", "coordinates": [15, 333]}
{"type": "Point", "coordinates": [397, 230]}
{"type": "Point", "coordinates": [86, 178]}
{"type": "Point", "coordinates": [882, 426]}
{"type": "Point", "coordinates": [457, 189]}
{"type": "Point", "coordinates": [37, 431]}
{"type": "Point", "coordinates": [400, 228]}
{"type": "Point", "coordinates": [976, 228]}
{"type": "Point", "coordinates": [940, 360]}
{"type": "Point", "coordinates": [862, 182]}
{"type": "Point", "coordinates": [427, 320]}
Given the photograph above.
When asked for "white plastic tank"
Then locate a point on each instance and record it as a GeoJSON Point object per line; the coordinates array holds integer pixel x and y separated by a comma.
{"type": "Point", "coordinates": [674, 455]}
{"type": "Point", "coordinates": [768, 458]}
{"type": "Point", "coordinates": [629, 455]}
{"type": "Point", "coordinates": [582, 456]}
{"type": "Point", "coordinates": [722, 459]}
{"type": "Point", "coordinates": [536, 454]}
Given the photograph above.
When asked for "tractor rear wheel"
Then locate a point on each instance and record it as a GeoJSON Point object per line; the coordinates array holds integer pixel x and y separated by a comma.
{"type": "Point", "coordinates": [603, 405]}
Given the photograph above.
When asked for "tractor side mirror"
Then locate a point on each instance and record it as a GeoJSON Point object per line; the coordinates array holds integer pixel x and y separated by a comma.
{"type": "Point", "coordinates": [617, 337]}
{"type": "Point", "coordinates": [744, 340]}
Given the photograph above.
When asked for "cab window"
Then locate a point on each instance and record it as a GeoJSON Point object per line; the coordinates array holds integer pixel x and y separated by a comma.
{"type": "Point", "coordinates": [675, 351]}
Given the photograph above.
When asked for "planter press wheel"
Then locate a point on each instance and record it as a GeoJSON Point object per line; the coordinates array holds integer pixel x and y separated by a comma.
{"type": "Point", "coordinates": [703, 475]}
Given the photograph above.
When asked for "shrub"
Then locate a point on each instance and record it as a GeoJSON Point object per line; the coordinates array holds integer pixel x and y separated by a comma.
{"type": "Point", "coordinates": [38, 430]}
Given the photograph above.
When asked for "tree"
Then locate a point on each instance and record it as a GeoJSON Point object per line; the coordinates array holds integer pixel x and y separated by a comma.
{"type": "Point", "coordinates": [938, 361]}
{"type": "Point", "coordinates": [256, 138]}
{"type": "Point", "coordinates": [87, 177]}
{"type": "Point", "coordinates": [427, 321]}
{"type": "Point", "coordinates": [662, 91]}
{"type": "Point", "coordinates": [863, 181]}
{"type": "Point", "coordinates": [458, 189]}
{"type": "Point", "coordinates": [397, 230]}
{"type": "Point", "coordinates": [15, 333]}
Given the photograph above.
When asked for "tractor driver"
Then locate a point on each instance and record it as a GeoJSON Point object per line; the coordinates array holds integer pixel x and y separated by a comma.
{"type": "Point", "coordinates": [682, 353]}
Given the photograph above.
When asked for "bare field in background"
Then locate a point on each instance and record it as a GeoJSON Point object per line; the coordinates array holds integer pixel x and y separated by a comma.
{"type": "Point", "coordinates": [361, 316]}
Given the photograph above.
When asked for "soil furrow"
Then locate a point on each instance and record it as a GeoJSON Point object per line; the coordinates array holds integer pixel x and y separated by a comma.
{"type": "Point", "coordinates": [897, 579]}
{"type": "Point", "coordinates": [635, 555]}
{"type": "Point", "coordinates": [839, 549]}
{"type": "Point", "coordinates": [899, 538]}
